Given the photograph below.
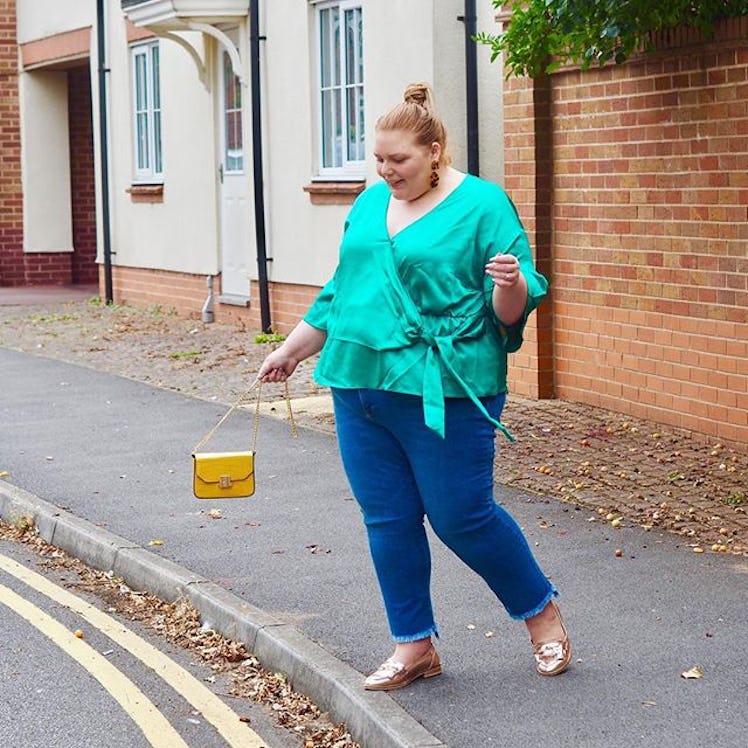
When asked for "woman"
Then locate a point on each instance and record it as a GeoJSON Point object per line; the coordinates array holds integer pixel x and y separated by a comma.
{"type": "Point", "coordinates": [433, 288]}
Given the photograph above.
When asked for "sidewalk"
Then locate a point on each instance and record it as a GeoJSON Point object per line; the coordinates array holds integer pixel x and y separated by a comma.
{"type": "Point", "coordinates": [287, 571]}
{"type": "Point", "coordinates": [608, 463]}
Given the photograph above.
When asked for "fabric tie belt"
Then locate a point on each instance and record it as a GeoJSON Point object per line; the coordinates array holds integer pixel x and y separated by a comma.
{"type": "Point", "coordinates": [441, 348]}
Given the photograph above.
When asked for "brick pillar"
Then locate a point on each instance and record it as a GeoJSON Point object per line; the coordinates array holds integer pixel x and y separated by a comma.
{"type": "Point", "coordinates": [528, 178]}
{"type": "Point", "coordinates": [82, 190]}
{"type": "Point", "coordinates": [11, 193]}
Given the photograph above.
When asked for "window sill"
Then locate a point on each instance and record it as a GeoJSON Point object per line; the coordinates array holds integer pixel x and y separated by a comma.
{"type": "Point", "coordinates": [334, 193]}
{"type": "Point", "coordinates": [146, 193]}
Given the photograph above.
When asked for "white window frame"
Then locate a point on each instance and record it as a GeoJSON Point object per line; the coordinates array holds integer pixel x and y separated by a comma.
{"type": "Point", "coordinates": [343, 167]}
{"type": "Point", "coordinates": [146, 113]}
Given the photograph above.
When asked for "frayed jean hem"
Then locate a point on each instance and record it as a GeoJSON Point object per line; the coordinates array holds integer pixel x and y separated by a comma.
{"type": "Point", "coordinates": [538, 609]}
{"type": "Point", "coordinates": [433, 631]}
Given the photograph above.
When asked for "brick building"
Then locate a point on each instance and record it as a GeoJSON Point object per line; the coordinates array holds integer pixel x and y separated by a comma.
{"type": "Point", "coordinates": [37, 245]}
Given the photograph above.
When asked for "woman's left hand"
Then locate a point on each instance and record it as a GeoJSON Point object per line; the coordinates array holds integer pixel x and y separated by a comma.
{"type": "Point", "coordinates": [504, 270]}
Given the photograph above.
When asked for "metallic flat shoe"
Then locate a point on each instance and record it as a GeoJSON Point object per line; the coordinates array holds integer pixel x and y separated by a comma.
{"type": "Point", "coordinates": [392, 674]}
{"type": "Point", "coordinates": [553, 657]}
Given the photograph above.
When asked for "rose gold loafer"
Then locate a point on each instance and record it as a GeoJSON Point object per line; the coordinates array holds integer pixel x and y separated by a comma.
{"type": "Point", "coordinates": [553, 657]}
{"type": "Point", "coordinates": [392, 674]}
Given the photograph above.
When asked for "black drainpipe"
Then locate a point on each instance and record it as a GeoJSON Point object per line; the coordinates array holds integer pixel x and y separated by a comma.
{"type": "Point", "coordinates": [104, 151]}
{"type": "Point", "coordinates": [262, 258]}
{"type": "Point", "coordinates": [470, 20]}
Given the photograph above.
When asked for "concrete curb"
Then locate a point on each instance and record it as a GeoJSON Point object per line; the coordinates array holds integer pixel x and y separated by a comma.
{"type": "Point", "coordinates": [373, 719]}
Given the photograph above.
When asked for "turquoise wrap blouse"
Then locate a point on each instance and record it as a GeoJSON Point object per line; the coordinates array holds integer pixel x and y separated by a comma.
{"type": "Point", "coordinates": [412, 313]}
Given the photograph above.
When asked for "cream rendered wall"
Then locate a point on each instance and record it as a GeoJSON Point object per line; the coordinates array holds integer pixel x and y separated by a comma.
{"type": "Point", "coordinates": [179, 234]}
{"type": "Point", "coordinates": [449, 75]}
{"type": "Point", "coordinates": [45, 157]}
{"type": "Point", "coordinates": [37, 19]}
{"type": "Point", "coordinates": [449, 84]}
{"type": "Point", "coordinates": [491, 110]}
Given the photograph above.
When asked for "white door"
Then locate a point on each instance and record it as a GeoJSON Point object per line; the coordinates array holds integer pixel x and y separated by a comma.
{"type": "Point", "coordinates": [236, 251]}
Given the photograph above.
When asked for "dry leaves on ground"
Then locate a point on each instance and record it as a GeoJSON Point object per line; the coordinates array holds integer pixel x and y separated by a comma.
{"type": "Point", "coordinates": [180, 624]}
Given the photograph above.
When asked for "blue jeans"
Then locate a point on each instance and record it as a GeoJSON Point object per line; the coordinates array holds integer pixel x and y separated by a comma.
{"type": "Point", "coordinates": [401, 471]}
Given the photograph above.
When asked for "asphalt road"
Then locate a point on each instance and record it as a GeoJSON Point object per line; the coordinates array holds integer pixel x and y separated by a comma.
{"type": "Point", "coordinates": [116, 452]}
{"type": "Point", "coordinates": [114, 685]}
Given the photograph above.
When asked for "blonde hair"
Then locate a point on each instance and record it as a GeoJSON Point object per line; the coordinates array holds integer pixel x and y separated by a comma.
{"type": "Point", "coordinates": [417, 114]}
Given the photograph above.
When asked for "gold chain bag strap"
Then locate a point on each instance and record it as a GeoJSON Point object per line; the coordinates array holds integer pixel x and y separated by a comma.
{"type": "Point", "coordinates": [231, 475]}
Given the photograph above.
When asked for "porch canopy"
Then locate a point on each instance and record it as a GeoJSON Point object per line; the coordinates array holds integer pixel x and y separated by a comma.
{"type": "Point", "coordinates": [164, 17]}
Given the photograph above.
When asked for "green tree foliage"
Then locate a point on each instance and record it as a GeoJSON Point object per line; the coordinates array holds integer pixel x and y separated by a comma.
{"type": "Point", "coordinates": [545, 34]}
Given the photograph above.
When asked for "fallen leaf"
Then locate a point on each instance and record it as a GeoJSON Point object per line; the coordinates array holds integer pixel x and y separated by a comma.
{"type": "Point", "coordinates": [694, 673]}
{"type": "Point", "coordinates": [157, 541]}
{"type": "Point", "coordinates": [215, 514]}
{"type": "Point", "coordinates": [78, 634]}
{"type": "Point", "coordinates": [4, 473]}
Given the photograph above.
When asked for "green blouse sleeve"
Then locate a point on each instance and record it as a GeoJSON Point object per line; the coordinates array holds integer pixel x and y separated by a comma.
{"type": "Point", "coordinates": [510, 238]}
{"type": "Point", "coordinates": [319, 312]}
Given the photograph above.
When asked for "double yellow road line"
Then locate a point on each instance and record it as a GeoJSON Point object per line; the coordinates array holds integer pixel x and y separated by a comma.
{"type": "Point", "coordinates": [156, 728]}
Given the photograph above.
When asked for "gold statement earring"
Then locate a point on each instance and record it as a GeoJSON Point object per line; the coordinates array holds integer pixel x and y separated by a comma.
{"type": "Point", "coordinates": [434, 174]}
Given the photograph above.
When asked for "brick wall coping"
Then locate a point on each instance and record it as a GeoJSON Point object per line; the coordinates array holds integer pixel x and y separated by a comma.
{"type": "Point", "coordinates": [68, 45]}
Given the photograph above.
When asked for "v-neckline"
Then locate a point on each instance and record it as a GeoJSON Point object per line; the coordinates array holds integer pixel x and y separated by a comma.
{"type": "Point", "coordinates": [441, 202]}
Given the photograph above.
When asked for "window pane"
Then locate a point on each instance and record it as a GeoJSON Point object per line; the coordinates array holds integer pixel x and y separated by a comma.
{"type": "Point", "coordinates": [328, 128]}
{"type": "Point", "coordinates": [156, 77]}
{"type": "Point", "coordinates": [335, 51]}
{"type": "Point", "coordinates": [355, 124]}
{"type": "Point", "coordinates": [142, 141]}
{"type": "Point", "coordinates": [228, 83]}
{"type": "Point", "coordinates": [234, 150]}
{"type": "Point", "coordinates": [350, 47]}
{"type": "Point", "coordinates": [325, 47]}
{"type": "Point", "coordinates": [359, 46]}
{"type": "Point", "coordinates": [141, 85]}
{"type": "Point", "coordinates": [233, 157]}
{"type": "Point", "coordinates": [158, 166]}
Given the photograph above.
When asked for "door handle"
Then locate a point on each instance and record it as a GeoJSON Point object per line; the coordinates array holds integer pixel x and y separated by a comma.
{"type": "Point", "coordinates": [220, 172]}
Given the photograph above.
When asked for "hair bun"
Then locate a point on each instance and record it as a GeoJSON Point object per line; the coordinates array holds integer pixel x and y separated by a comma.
{"type": "Point", "coordinates": [418, 93]}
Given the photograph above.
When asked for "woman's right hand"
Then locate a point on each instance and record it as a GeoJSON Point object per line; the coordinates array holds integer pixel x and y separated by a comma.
{"type": "Point", "coordinates": [277, 366]}
{"type": "Point", "coordinates": [303, 341]}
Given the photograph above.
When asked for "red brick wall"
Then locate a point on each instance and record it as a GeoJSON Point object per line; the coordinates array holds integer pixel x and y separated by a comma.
{"type": "Point", "coordinates": [47, 268]}
{"type": "Point", "coordinates": [16, 267]}
{"type": "Point", "coordinates": [84, 269]}
{"type": "Point", "coordinates": [11, 197]}
{"type": "Point", "coordinates": [186, 294]}
{"type": "Point", "coordinates": [649, 165]}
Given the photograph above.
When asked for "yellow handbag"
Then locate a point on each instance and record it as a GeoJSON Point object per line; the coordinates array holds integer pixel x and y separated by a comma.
{"type": "Point", "coordinates": [230, 475]}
